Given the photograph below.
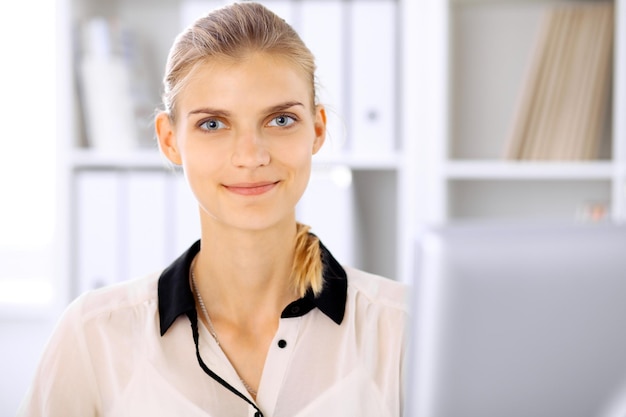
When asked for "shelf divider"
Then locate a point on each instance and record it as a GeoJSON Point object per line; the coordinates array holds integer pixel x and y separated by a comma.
{"type": "Point", "coordinates": [524, 170]}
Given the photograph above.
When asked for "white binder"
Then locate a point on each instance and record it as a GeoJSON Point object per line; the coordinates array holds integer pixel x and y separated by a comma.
{"type": "Point", "coordinates": [97, 229]}
{"type": "Point", "coordinates": [328, 206]}
{"type": "Point", "coordinates": [146, 222]}
{"type": "Point", "coordinates": [185, 219]}
{"type": "Point", "coordinates": [321, 27]}
{"type": "Point", "coordinates": [190, 10]}
{"type": "Point", "coordinates": [372, 79]}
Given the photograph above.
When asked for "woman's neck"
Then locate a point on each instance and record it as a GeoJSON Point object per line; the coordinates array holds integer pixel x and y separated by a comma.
{"type": "Point", "coordinates": [242, 274]}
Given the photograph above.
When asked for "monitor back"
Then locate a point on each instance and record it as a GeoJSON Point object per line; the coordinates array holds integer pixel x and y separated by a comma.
{"type": "Point", "coordinates": [524, 320]}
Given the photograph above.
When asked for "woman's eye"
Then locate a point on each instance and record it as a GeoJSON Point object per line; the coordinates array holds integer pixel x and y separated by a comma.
{"type": "Point", "coordinates": [212, 124]}
{"type": "Point", "coordinates": [283, 120]}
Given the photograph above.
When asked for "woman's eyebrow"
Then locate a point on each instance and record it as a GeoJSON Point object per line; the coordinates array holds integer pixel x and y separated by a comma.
{"type": "Point", "coordinates": [283, 106]}
{"type": "Point", "coordinates": [210, 111]}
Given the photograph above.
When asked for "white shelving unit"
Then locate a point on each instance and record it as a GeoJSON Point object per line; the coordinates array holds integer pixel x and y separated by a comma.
{"type": "Point", "coordinates": [492, 170]}
{"type": "Point", "coordinates": [487, 45]}
{"type": "Point", "coordinates": [459, 67]}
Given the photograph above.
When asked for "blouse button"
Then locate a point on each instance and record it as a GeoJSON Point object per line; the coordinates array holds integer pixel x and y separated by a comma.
{"type": "Point", "coordinates": [295, 310]}
{"type": "Point", "coordinates": [282, 343]}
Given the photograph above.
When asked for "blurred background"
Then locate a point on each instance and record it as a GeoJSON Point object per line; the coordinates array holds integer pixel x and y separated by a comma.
{"type": "Point", "coordinates": [441, 111]}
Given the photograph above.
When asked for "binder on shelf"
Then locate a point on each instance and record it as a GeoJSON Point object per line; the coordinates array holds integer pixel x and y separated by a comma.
{"type": "Point", "coordinates": [566, 93]}
{"type": "Point", "coordinates": [327, 43]}
{"type": "Point", "coordinates": [145, 221]}
{"type": "Point", "coordinates": [184, 219]}
{"type": "Point", "coordinates": [97, 229]}
{"type": "Point", "coordinates": [192, 9]}
{"type": "Point", "coordinates": [105, 83]}
{"type": "Point", "coordinates": [329, 206]}
{"type": "Point", "coordinates": [372, 77]}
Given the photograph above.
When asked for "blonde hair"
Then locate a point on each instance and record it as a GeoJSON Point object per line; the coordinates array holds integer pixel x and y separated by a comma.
{"type": "Point", "coordinates": [306, 272]}
{"type": "Point", "coordinates": [232, 33]}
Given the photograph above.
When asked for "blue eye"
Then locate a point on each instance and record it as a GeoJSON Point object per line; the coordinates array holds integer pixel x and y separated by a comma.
{"type": "Point", "coordinates": [212, 124]}
{"type": "Point", "coordinates": [282, 120]}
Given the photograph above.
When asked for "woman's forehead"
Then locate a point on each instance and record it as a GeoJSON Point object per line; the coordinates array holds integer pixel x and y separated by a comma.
{"type": "Point", "coordinates": [275, 61]}
{"type": "Point", "coordinates": [256, 78]}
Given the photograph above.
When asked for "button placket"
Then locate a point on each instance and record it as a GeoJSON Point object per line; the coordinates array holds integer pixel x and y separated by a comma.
{"type": "Point", "coordinates": [277, 363]}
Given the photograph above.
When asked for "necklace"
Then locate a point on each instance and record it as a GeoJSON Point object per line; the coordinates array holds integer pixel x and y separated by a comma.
{"type": "Point", "coordinates": [212, 329]}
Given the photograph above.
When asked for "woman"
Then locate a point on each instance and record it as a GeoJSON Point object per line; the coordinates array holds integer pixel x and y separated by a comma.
{"type": "Point", "coordinates": [257, 318]}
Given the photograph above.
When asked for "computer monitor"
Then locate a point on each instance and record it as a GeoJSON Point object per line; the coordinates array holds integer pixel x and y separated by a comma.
{"type": "Point", "coordinates": [519, 320]}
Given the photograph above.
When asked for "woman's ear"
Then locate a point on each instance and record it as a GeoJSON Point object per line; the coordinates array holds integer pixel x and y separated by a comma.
{"type": "Point", "coordinates": [167, 138]}
{"type": "Point", "coordinates": [320, 128]}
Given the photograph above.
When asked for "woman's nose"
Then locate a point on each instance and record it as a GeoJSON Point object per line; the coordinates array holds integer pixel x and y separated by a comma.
{"type": "Point", "coordinates": [250, 150]}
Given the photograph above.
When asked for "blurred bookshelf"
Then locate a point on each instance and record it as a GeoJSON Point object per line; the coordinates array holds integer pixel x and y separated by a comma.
{"type": "Point", "coordinates": [115, 172]}
{"type": "Point", "coordinates": [428, 145]}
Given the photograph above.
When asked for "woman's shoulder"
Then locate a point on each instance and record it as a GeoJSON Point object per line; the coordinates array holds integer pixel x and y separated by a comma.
{"type": "Point", "coordinates": [117, 298]}
{"type": "Point", "coordinates": [378, 290]}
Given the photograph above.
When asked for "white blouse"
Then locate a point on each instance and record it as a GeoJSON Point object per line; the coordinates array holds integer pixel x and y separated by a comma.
{"type": "Point", "coordinates": [128, 350]}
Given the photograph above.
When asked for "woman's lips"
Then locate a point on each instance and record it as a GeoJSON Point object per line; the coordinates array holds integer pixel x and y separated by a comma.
{"type": "Point", "coordinates": [251, 188]}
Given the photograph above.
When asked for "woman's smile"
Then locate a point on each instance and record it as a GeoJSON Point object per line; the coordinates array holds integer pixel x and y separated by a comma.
{"type": "Point", "coordinates": [252, 189]}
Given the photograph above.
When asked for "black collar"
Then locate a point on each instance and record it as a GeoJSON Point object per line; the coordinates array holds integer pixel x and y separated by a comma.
{"type": "Point", "coordinates": [176, 297]}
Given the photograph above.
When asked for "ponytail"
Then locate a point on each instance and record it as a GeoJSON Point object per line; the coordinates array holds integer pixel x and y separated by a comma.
{"type": "Point", "coordinates": [307, 262]}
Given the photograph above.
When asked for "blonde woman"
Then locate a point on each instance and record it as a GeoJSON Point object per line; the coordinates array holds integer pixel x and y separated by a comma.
{"type": "Point", "coordinates": [257, 318]}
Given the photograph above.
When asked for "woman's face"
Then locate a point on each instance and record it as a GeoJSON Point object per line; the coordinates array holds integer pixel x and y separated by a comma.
{"type": "Point", "coordinates": [245, 133]}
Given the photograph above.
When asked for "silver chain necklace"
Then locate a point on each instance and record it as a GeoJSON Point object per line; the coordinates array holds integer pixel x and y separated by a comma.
{"type": "Point", "coordinates": [212, 329]}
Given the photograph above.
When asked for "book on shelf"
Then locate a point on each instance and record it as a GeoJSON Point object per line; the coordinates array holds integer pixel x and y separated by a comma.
{"type": "Point", "coordinates": [113, 98]}
{"type": "Point", "coordinates": [565, 95]}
